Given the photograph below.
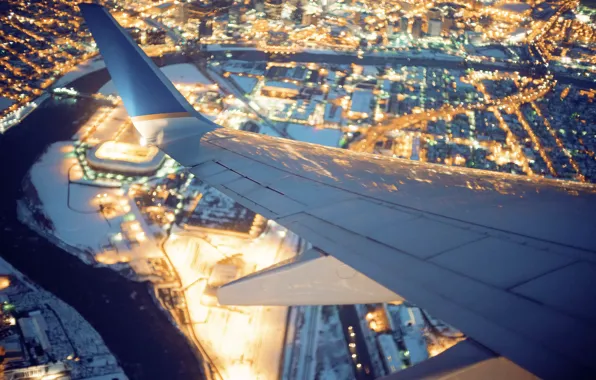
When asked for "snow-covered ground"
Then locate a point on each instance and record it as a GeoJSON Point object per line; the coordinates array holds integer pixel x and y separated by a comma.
{"type": "Point", "coordinates": [515, 7]}
{"type": "Point", "coordinates": [182, 73]}
{"type": "Point", "coordinates": [7, 269]}
{"type": "Point", "coordinates": [71, 206]}
{"type": "Point", "coordinates": [241, 342]}
{"type": "Point", "coordinates": [491, 52]}
{"type": "Point", "coordinates": [416, 346]}
{"type": "Point", "coordinates": [247, 84]}
{"type": "Point", "coordinates": [74, 213]}
{"type": "Point", "coordinates": [217, 47]}
{"type": "Point", "coordinates": [80, 70]}
{"type": "Point", "coordinates": [370, 71]}
{"type": "Point", "coordinates": [389, 53]}
{"type": "Point", "coordinates": [333, 358]}
{"type": "Point", "coordinates": [5, 103]}
{"type": "Point", "coordinates": [77, 222]}
{"type": "Point", "coordinates": [328, 137]}
{"type": "Point", "coordinates": [317, 51]}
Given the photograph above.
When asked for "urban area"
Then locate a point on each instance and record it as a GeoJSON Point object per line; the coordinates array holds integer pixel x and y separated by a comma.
{"type": "Point", "coordinates": [42, 337]}
{"type": "Point", "coordinates": [494, 85]}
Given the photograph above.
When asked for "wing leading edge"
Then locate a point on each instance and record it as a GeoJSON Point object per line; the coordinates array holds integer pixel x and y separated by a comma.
{"type": "Point", "coordinates": [509, 260]}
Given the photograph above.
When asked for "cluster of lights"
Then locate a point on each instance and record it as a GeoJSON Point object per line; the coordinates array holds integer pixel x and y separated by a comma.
{"type": "Point", "coordinates": [32, 29]}
{"type": "Point", "coordinates": [15, 117]}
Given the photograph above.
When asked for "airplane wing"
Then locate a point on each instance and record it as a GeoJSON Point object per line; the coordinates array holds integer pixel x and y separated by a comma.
{"type": "Point", "coordinates": [508, 260]}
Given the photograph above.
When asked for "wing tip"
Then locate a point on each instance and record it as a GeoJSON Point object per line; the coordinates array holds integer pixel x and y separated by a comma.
{"type": "Point", "coordinates": [144, 89]}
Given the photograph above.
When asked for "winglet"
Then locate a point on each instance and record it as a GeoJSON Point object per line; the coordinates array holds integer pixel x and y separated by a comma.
{"type": "Point", "coordinates": [158, 110]}
{"type": "Point", "coordinates": [144, 89]}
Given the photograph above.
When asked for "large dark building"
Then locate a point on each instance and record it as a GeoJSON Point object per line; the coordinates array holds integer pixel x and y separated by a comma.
{"type": "Point", "coordinates": [155, 37]}
{"type": "Point", "coordinates": [417, 27]}
{"type": "Point", "coordinates": [233, 20]}
{"type": "Point", "coordinates": [273, 8]}
{"type": "Point", "coordinates": [205, 28]}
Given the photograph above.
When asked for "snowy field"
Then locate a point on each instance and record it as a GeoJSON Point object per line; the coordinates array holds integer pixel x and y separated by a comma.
{"type": "Point", "coordinates": [70, 207]}
{"type": "Point", "coordinates": [317, 51]}
{"type": "Point", "coordinates": [515, 7]}
{"type": "Point", "coordinates": [76, 221]}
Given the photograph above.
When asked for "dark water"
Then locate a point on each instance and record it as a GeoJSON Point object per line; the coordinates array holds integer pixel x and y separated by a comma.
{"type": "Point", "coordinates": [135, 330]}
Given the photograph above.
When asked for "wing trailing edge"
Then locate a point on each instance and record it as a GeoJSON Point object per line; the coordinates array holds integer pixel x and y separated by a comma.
{"type": "Point", "coordinates": [310, 279]}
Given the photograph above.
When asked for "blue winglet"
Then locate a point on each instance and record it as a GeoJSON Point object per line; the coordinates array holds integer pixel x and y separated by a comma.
{"type": "Point", "coordinates": [144, 89]}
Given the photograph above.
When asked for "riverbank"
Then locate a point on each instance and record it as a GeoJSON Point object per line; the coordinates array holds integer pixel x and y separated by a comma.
{"type": "Point", "coordinates": [71, 345]}
{"type": "Point", "coordinates": [235, 343]}
{"type": "Point", "coordinates": [134, 328]}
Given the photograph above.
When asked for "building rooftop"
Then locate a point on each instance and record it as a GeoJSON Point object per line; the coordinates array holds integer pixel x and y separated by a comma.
{"type": "Point", "coordinates": [390, 353]}
{"type": "Point", "coordinates": [126, 158]}
{"type": "Point", "coordinates": [362, 102]}
{"type": "Point", "coordinates": [333, 113]}
{"type": "Point", "coordinates": [328, 137]}
{"type": "Point", "coordinates": [247, 84]}
{"type": "Point", "coordinates": [416, 346]}
{"type": "Point", "coordinates": [280, 84]}
{"type": "Point", "coordinates": [515, 7]}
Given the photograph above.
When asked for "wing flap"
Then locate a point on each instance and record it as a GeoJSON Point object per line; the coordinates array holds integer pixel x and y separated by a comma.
{"type": "Point", "coordinates": [308, 280]}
